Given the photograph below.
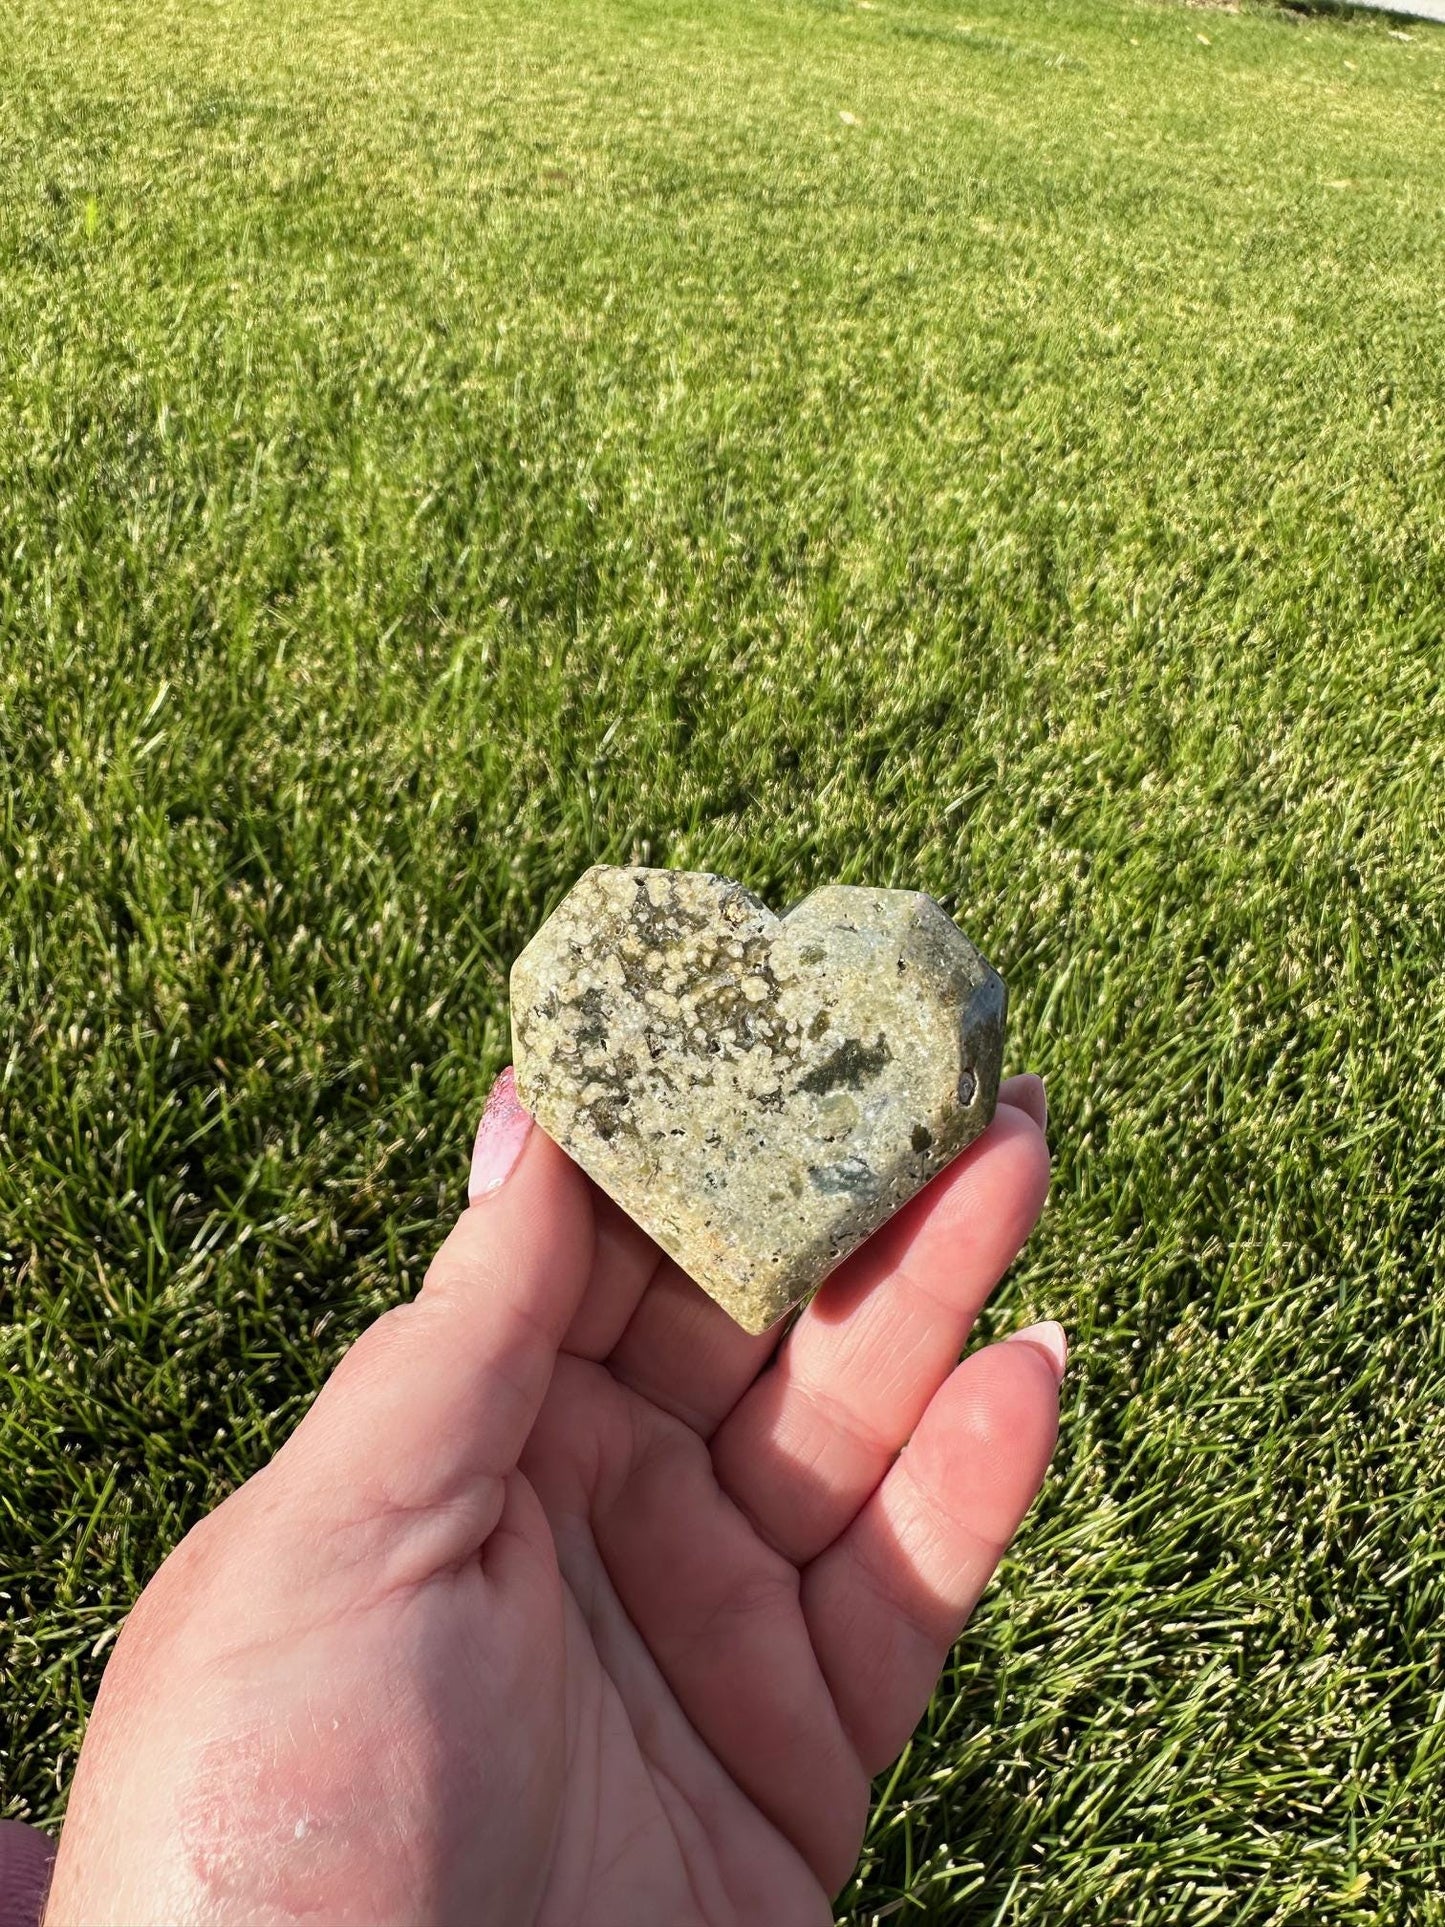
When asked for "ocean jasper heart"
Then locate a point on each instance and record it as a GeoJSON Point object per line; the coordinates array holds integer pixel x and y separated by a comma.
{"type": "Point", "coordinates": [758, 1092]}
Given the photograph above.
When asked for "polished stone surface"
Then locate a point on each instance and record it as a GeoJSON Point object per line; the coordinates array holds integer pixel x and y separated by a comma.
{"type": "Point", "coordinates": [758, 1092]}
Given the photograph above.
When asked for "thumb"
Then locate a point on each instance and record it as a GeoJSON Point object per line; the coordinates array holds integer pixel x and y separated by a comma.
{"type": "Point", "coordinates": [423, 1419]}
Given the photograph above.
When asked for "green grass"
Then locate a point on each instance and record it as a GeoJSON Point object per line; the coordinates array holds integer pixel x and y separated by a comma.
{"type": "Point", "coordinates": [1000, 451]}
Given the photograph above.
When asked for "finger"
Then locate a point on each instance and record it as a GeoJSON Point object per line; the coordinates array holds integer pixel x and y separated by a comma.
{"type": "Point", "coordinates": [625, 1261]}
{"type": "Point", "coordinates": [425, 1416]}
{"type": "Point", "coordinates": [683, 1353]}
{"type": "Point", "coordinates": [809, 1442]}
{"type": "Point", "coordinates": [686, 1355]}
{"type": "Point", "coordinates": [888, 1599]}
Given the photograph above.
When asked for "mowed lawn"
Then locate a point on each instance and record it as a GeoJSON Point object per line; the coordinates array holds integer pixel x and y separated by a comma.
{"type": "Point", "coordinates": [996, 449]}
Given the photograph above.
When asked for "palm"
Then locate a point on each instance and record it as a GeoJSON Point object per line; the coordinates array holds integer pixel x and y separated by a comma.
{"type": "Point", "coordinates": [696, 1718]}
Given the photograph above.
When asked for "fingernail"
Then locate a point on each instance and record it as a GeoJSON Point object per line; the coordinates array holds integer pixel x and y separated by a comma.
{"type": "Point", "coordinates": [501, 1135]}
{"type": "Point", "coordinates": [1048, 1338]}
{"type": "Point", "coordinates": [1043, 1103]}
{"type": "Point", "coordinates": [1027, 1094]}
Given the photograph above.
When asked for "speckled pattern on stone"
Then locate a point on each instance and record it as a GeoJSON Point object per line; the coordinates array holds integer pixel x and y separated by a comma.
{"type": "Point", "coordinates": [758, 1092]}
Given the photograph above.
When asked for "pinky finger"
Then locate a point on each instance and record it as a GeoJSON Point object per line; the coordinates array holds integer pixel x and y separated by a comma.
{"type": "Point", "coordinates": [889, 1597]}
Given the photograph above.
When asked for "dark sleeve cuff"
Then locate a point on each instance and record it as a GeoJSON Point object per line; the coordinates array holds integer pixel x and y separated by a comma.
{"type": "Point", "coordinates": [26, 1857]}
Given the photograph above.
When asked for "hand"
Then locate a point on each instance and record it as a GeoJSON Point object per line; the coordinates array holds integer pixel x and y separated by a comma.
{"type": "Point", "coordinates": [568, 1601]}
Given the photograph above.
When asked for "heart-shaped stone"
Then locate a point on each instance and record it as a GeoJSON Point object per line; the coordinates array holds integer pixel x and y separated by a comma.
{"type": "Point", "coordinates": [758, 1092]}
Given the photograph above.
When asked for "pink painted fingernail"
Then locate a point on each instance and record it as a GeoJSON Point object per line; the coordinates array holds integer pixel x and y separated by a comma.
{"type": "Point", "coordinates": [1048, 1338]}
{"type": "Point", "coordinates": [501, 1136]}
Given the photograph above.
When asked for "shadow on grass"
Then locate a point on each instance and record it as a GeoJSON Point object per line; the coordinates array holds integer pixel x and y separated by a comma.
{"type": "Point", "coordinates": [1353, 11]}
